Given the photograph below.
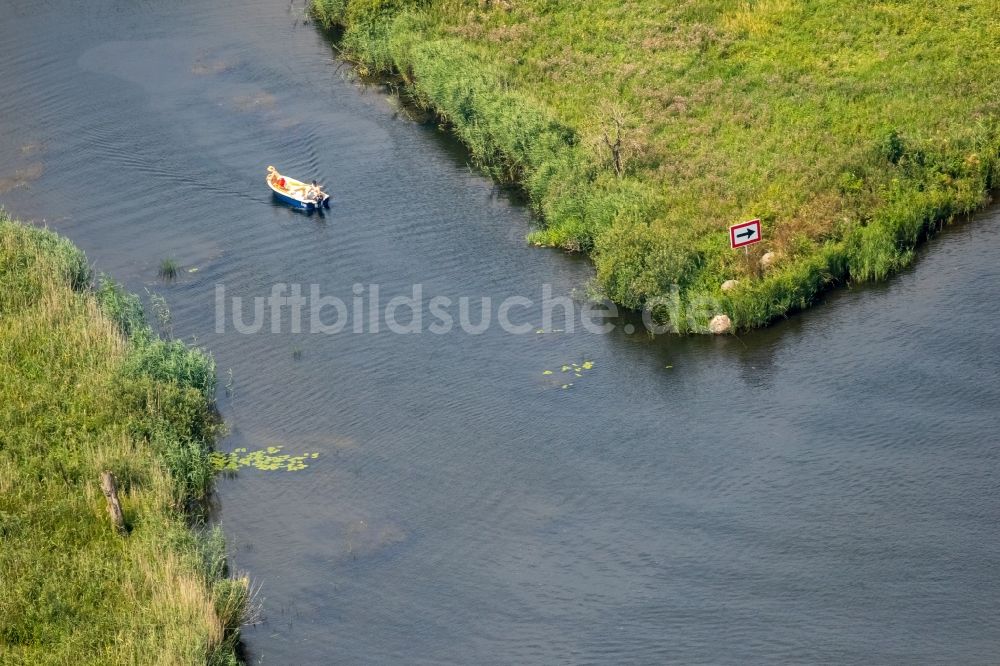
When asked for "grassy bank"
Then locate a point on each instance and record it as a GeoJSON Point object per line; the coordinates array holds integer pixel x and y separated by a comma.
{"type": "Point", "coordinates": [85, 386]}
{"type": "Point", "coordinates": [642, 130]}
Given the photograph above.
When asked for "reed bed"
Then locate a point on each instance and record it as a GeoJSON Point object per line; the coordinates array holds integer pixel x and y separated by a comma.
{"type": "Point", "coordinates": [85, 387]}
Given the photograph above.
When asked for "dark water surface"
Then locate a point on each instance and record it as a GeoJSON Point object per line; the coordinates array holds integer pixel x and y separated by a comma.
{"type": "Point", "coordinates": [825, 490]}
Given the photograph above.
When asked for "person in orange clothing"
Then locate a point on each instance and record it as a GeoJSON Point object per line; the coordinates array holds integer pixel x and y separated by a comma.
{"type": "Point", "coordinates": [276, 178]}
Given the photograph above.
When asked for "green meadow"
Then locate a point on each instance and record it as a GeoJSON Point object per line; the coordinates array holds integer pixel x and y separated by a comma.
{"type": "Point", "coordinates": [86, 386]}
{"type": "Point", "coordinates": [642, 130]}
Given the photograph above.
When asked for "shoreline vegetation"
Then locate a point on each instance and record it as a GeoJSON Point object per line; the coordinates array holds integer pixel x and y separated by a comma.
{"type": "Point", "coordinates": [86, 386]}
{"type": "Point", "coordinates": [642, 131]}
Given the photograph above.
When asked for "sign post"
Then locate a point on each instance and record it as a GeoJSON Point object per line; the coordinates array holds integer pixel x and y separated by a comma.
{"type": "Point", "coordinates": [745, 234]}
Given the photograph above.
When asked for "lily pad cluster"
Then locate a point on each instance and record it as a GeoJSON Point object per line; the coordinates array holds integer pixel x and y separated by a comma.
{"type": "Point", "coordinates": [576, 369]}
{"type": "Point", "coordinates": [269, 459]}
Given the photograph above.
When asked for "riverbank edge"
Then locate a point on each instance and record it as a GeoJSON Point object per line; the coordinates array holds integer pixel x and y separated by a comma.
{"type": "Point", "coordinates": [89, 387]}
{"type": "Point", "coordinates": [516, 142]}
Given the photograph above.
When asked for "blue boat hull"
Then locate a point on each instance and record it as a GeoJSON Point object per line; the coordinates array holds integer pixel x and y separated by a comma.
{"type": "Point", "coordinates": [295, 203]}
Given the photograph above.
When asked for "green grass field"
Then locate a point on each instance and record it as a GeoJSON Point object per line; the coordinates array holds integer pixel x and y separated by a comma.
{"type": "Point", "coordinates": [85, 386]}
{"type": "Point", "coordinates": [641, 130]}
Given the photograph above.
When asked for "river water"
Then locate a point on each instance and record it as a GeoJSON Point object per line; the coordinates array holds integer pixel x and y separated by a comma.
{"type": "Point", "coordinates": [824, 490]}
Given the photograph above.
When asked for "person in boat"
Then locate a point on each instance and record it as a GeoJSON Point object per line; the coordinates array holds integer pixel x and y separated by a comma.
{"type": "Point", "coordinates": [315, 192]}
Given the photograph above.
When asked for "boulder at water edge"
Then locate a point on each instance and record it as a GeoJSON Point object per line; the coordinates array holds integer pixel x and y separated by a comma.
{"type": "Point", "coordinates": [720, 324]}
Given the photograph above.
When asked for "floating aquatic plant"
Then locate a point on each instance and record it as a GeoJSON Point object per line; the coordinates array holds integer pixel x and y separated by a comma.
{"type": "Point", "coordinates": [576, 368]}
{"type": "Point", "coordinates": [268, 460]}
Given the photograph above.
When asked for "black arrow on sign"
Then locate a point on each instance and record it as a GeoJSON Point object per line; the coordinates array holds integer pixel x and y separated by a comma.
{"type": "Point", "coordinates": [748, 233]}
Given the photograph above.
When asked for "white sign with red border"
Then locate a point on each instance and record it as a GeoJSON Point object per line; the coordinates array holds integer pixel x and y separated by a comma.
{"type": "Point", "coordinates": [744, 234]}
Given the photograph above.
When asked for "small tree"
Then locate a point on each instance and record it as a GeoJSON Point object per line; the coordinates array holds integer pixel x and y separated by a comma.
{"type": "Point", "coordinates": [619, 138]}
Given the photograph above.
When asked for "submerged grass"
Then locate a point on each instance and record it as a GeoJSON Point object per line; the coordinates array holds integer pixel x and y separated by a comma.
{"type": "Point", "coordinates": [85, 386]}
{"type": "Point", "coordinates": [642, 130]}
